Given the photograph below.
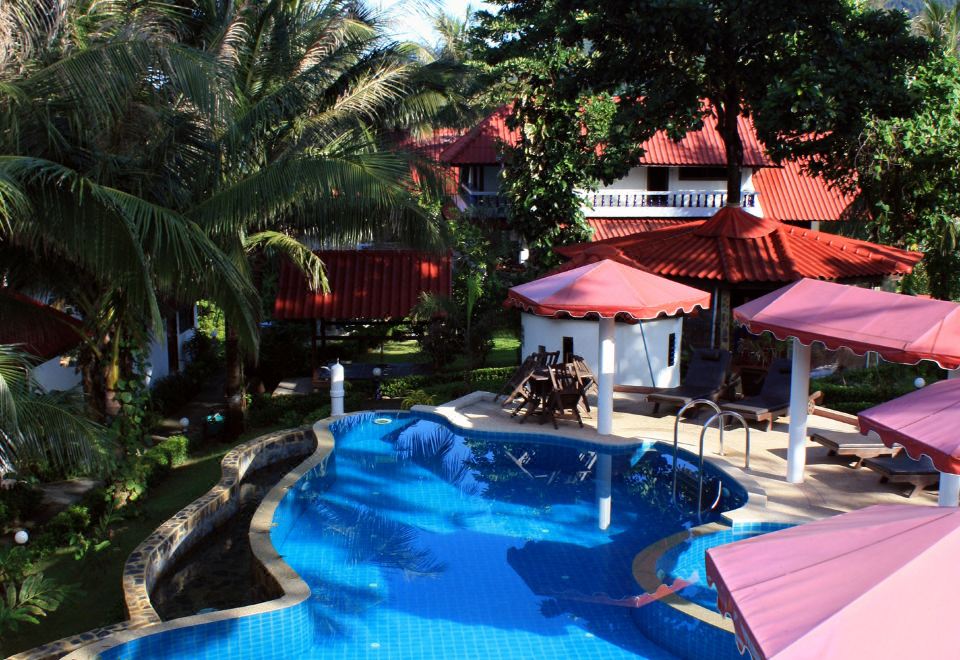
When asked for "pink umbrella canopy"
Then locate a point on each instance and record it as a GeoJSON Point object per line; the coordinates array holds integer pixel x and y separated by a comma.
{"type": "Point", "coordinates": [923, 422]}
{"type": "Point", "coordinates": [606, 289]}
{"type": "Point", "coordinates": [874, 583]}
{"type": "Point", "coordinates": [901, 328]}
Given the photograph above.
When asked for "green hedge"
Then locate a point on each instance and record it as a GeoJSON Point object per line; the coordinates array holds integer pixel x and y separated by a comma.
{"type": "Point", "coordinates": [450, 384]}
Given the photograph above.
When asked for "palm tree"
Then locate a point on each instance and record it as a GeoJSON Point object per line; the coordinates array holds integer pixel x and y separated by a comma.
{"type": "Point", "coordinates": [940, 24]}
{"type": "Point", "coordinates": [305, 157]}
{"type": "Point", "coordinates": [100, 109]}
{"type": "Point", "coordinates": [36, 427]}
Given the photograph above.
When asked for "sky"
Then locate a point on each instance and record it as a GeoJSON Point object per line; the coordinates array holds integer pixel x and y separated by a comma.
{"type": "Point", "coordinates": [411, 17]}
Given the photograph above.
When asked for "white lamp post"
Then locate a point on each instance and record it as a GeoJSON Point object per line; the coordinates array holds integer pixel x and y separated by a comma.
{"type": "Point", "coordinates": [336, 389]}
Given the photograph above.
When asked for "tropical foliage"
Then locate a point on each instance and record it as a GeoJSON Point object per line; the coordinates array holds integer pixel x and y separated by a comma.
{"type": "Point", "coordinates": [906, 170]}
{"type": "Point", "coordinates": [809, 74]}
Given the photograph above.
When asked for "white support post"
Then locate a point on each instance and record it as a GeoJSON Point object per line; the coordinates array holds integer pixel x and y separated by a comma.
{"type": "Point", "coordinates": [799, 399]}
{"type": "Point", "coordinates": [949, 489]}
{"type": "Point", "coordinates": [949, 483]}
{"type": "Point", "coordinates": [605, 384]}
{"type": "Point", "coordinates": [604, 498]}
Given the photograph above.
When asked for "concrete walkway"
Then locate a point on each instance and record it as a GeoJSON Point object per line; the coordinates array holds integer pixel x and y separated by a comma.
{"type": "Point", "coordinates": [831, 486]}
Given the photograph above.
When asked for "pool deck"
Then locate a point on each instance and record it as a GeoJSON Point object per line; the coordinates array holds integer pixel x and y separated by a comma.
{"type": "Point", "coordinates": [830, 486]}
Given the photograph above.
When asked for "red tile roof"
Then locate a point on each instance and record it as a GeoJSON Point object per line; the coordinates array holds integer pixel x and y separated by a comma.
{"type": "Point", "coordinates": [735, 246]}
{"type": "Point", "coordinates": [481, 145]}
{"type": "Point", "coordinates": [792, 195]}
{"type": "Point", "coordinates": [41, 330]}
{"type": "Point", "coordinates": [604, 228]}
{"type": "Point", "coordinates": [703, 148]}
{"type": "Point", "coordinates": [364, 285]}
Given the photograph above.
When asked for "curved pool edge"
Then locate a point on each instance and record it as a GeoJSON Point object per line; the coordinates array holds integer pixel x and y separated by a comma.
{"type": "Point", "coordinates": [294, 589]}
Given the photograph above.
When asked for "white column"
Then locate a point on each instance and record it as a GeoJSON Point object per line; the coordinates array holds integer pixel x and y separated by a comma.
{"type": "Point", "coordinates": [603, 476]}
{"type": "Point", "coordinates": [607, 359]}
{"type": "Point", "coordinates": [336, 390]}
{"type": "Point", "coordinates": [949, 489]}
{"type": "Point", "coordinates": [799, 396]}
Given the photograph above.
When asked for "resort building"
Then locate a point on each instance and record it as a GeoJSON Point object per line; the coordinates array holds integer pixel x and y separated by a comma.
{"type": "Point", "coordinates": [675, 182]}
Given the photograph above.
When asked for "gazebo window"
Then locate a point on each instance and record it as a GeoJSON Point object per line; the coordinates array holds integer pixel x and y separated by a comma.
{"type": "Point", "coordinates": [672, 349]}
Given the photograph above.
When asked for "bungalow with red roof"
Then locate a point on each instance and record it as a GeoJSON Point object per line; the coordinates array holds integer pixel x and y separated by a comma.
{"type": "Point", "coordinates": [675, 182]}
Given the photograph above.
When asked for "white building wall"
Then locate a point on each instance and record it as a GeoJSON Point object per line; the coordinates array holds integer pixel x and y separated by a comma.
{"type": "Point", "coordinates": [636, 179]}
{"type": "Point", "coordinates": [159, 362]}
{"type": "Point", "coordinates": [641, 347]}
{"type": "Point", "coordinates": [54, 378]}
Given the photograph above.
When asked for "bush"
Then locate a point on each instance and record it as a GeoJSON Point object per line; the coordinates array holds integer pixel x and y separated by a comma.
{"type": "Point", "coordinates": [76, 518]}
{"type": "Point", "coordinates": [19, 503]}
{"type": "Point", "coordinates": [417, 398]}
{"type": "Point", "coordinates": [284, 353]}
{"type": "Point", "coordinates": [147, 469]}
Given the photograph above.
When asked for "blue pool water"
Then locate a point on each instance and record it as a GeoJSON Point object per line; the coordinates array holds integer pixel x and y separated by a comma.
{"type": "Point", "coordinates": [421, 543]}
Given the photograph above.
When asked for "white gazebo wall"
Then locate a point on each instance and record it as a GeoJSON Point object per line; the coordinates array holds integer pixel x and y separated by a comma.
{"type": "Point", "coordinates": [631, 356]}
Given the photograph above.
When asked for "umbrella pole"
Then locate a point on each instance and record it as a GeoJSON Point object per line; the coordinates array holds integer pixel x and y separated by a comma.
{"type": "Point", "coordinates": [607, 355]}
{"type": "Point", "coordinates": [799, 399]}
{"type": "Point", "coordinates": [949, 494]}
{"type": "Point", "coordinates": [949, 489]}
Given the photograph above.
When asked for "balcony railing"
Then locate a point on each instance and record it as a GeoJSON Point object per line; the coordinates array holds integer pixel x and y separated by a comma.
{"type": "Point", "coordinates": [485, 204]}
{"type": "Point", "coordinates": [671, 199]}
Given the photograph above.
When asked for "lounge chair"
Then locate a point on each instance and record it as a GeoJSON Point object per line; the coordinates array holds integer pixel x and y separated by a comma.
{"type": "Point", "coordinates": [773, 400]}
{"type": "Point", "coordinates": [852, 443]}
{"type": "Point", "coordinates": [705, 379]}
{"type": "Point", "coordinates": [901, 469]}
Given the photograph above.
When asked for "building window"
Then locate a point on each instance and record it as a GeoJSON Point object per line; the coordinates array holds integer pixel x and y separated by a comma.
{"type": "Point", "coordinates": [702, 173]}
{"type": "Point", "coordinates": [567, 348]}
{"type": "Point", "coordinates": [672, 349]}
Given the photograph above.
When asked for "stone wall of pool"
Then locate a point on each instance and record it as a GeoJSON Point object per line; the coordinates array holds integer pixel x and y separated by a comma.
{"type": "Point", "coordinates": [254, 623]}
{"type": "Point", "coordinates": [176, 536]}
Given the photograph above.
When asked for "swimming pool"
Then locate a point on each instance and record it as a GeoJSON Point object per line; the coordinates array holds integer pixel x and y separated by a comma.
{"type": "Point", "coordinates": [422, 542]}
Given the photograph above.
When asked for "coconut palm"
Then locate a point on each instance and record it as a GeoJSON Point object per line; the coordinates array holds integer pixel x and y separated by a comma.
{"type": "Point", "coordinates": [307, 157]}
{"type": "Point", "coordinates": [100, 113]}
{"type": "Point", "coordinates": [940, 24]}
{"type": "Point", "coordinates": [46, 428]}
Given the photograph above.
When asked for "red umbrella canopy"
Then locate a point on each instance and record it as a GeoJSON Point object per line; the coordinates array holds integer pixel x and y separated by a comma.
{"type": "Point", "coordinates": [606, 289]}
{"type": "Point", "coordinates": [923, 422]}
{"type": "Point", "coordinates": [901, 328]}
{"type": "Point", "coordinates": [832, 588]}
{"type": "Point", "coordinates": [736, 246]}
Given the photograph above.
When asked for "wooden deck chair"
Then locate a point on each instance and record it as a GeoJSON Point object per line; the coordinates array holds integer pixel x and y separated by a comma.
{"type": "Point", "coordinates": [901, 469]}
{"type": "Point", "coordinates": [705, 378]}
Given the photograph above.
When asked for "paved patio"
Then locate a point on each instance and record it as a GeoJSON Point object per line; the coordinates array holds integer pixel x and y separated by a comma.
{"type": "Point", "coordinates": [831, 486]}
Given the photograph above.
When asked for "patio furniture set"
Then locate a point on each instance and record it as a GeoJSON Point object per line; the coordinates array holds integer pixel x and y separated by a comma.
{"type": "Point", "coordinates": [544, 387]}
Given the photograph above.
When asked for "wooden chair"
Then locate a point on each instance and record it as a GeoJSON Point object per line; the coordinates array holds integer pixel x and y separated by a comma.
{"type": "Point", "coordinates": [568, 391]}
{"type": "Point", "coordinates": [518, 379]}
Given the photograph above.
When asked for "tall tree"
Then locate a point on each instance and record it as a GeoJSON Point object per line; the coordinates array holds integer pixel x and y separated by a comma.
{"type": "Point", "coordinates": [303, 158]}
{"type": "Point", "coordinates": [808, 73]}
{"type": "Point", "coordinates": [906, 173]}
{"type": "Point", "coordinates": [99, 113]}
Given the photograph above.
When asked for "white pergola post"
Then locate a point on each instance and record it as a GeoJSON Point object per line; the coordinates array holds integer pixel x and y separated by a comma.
{"type": "Point", "coordinates": [604, 497]}
{"type": "Point", "coordinates": [605, 382]}
{"type": "Point", "coordinates": [607, 355]}
{"type": "Point", "coordinates": [949, 494]}
{"type": "Point", "coordinates": [799, 397]}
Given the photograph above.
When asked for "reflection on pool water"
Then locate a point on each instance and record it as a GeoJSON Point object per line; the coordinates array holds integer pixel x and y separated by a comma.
{"type": "Point", "coordinates": [422, 543]}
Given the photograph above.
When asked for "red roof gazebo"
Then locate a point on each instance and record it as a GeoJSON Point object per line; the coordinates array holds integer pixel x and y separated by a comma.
{"type": "Point", "coordinates": [735, 246]}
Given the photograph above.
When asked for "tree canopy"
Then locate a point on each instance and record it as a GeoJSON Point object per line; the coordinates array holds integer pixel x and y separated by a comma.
{"type": "Point", "coordinates": [808, 73]}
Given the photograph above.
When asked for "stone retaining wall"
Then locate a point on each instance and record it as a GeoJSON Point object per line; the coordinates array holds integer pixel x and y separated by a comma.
{"type": "Point", "coordinates": [181, 532]}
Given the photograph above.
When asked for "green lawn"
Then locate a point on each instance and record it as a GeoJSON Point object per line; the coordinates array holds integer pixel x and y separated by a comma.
{"type": "Point", "coordinates": [99, 601]}
{"type": "Point", "coordinates": [504, 353]}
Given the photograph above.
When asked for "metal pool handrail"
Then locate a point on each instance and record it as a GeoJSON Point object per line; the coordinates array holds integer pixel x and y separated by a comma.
{"type": "Point", "coordinates": [676, 437]}
{"type": "Point", "coordinates": [719, 417]}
